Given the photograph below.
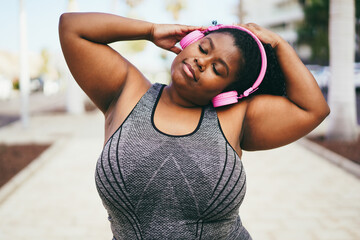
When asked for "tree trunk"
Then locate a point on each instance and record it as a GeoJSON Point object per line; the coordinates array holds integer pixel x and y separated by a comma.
{"type": "Point", "coordinates": [342, 120]}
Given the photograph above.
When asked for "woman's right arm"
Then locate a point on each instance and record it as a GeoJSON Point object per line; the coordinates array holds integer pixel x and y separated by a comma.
{"type": "Point", "coordinates": [99, 70]}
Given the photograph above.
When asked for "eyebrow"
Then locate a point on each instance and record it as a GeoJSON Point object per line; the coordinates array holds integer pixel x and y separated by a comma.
{"type": "Point", "coordinates": [220, 60]}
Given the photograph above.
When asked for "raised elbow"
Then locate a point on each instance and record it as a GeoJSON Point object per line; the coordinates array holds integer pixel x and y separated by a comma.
{"type": "Point", "coordinates": [327, 112]}
{"type": "Point", "coordinates": [323, 112]}
{"type": "Point", "coordinates": [65, 22]}
{"type": "Point", "coordinates": [62, 20]}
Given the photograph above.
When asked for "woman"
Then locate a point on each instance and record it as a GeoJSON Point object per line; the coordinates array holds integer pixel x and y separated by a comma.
{"type": "Point", "coordinates": [170, 167]}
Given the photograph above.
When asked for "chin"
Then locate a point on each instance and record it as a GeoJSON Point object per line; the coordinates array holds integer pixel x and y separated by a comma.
{"type": "Point", "coordinates": [178, 79]}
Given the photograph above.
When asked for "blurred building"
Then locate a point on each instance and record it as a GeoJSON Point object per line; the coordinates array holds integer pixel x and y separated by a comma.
{"type": "Point", "coordinates": [281, 16]}
{"type": "Point", "coordinates": [44, 73]}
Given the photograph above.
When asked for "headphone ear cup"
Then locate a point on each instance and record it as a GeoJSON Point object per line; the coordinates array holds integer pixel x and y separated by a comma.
{"type": "Point", "coordinates": [191, 38]}
{"type": "Point", "coordinates": [225, 98]}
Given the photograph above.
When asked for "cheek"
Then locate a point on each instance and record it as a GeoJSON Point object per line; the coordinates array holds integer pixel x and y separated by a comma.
{"type": "Point", "coordinates": [175, 69]}
{"type": "Point", "coordinates": [212, 81]}
{"type": "Point", "coordinates": [210, 89]}
{"type": "Point", "coordinates": [172, 69]}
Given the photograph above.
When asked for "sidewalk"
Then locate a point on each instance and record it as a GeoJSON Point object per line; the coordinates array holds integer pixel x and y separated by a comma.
{"type": "Point", "coordinates": [295, 194]}
{"type": "Point", "coordinates": [57, 198]}
{"type": "Point", "coordinates": [291, 192]}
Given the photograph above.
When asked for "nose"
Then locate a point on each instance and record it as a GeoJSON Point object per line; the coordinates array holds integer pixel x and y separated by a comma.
{"type": "Point", "coordinates": [201, 63]}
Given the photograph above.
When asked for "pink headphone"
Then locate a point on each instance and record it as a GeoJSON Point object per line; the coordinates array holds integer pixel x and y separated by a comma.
{"type": "Point", "coordinates": [232, 96]}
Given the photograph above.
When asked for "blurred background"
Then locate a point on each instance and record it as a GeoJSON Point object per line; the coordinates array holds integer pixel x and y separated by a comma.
{"type": "Point", "coordinates": [42, 108]}
{"type": "Point", "coordinates": [30, 53]}
{"type": "Point", "coordinates": [29, 31]}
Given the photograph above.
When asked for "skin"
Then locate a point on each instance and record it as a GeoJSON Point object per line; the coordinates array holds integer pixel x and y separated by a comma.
{"type": "Point", "coordinates": [115, 85]}
{"type": "Point", "coordinates": [214, 66]}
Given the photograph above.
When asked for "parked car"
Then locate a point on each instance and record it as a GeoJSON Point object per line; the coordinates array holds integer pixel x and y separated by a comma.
{"type": "Point", "coordinates": [36, 84]}
{"type": "Point", "coordinates": [322, 75]}
{"type": "Point", "coordinates": [5, 88]}
{"type": "Point", "coordinates": [357, 75]}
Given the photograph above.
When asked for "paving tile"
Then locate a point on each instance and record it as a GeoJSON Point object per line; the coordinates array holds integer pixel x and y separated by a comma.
{"type": "Point", "coordinates": [60, 201]}
{"type": "Point", "coordinates": [300, 191]}
{"type": "Point", "coordinates": [291, 192]}
{"type": "Point", "coordinates": [334, 234]}
{"type": "Point", "coordinates": [286, 234]}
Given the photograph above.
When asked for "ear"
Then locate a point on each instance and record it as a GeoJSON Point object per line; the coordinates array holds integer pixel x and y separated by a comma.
{"type": "Point", "coordinates": [191, 38]}
{"type": "Point", "coordinates": [225, 98]}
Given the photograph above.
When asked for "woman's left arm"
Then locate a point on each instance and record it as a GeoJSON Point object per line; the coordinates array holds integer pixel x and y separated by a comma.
{"type": "Point", "coordinates": [273, 121]}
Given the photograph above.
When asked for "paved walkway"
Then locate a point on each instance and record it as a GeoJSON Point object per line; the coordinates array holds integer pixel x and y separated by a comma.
{"type": "Point", "coordinates": [292, 193]}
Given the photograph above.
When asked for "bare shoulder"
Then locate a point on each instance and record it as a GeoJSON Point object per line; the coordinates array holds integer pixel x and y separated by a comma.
{"type": "Point", "coordinates": [231, 122]}
{"type": "Point", "coordinates": [232, 112]}
{"type": "Point", "coordinates": [135, 87]}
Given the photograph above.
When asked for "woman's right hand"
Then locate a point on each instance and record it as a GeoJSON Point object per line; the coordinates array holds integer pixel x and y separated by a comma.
{"type": "Point", "coordinates": [103, 73]}
{"type": "Point", "coordinates": [167, 35]}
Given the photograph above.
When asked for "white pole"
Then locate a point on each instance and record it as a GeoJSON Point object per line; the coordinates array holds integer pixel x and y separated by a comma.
{"type": "Point", "coordinates": [24, 68]}
{"type": "Point", "coordinates": [241, 11]}
{"type": "Point", "coordinates": [75, 96]}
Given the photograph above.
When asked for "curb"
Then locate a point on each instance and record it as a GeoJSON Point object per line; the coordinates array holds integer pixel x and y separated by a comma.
{"type": "Point", "coordinates": [15, 182]}
{"type": "Point", "coordinates": [332, 157]}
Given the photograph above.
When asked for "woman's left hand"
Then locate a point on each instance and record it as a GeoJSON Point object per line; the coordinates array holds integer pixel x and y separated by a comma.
{"type": "Point", "coordinates": [274, 121]}
{"type": "Point", "coordinates": [264, 35]}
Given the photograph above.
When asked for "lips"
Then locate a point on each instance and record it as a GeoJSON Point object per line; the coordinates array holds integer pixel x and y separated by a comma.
{"type": "Point", "coordinates": [189, 71]}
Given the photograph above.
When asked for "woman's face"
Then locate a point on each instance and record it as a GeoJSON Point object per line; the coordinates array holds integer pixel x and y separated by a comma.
{"type": "Point", "coordinates": [205, 68]}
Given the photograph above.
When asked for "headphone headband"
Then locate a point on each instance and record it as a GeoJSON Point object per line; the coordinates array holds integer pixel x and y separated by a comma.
{"type": "Point", "coordinates": [259, 79]}
{"type": "Point", "coordinates": [230, 97]}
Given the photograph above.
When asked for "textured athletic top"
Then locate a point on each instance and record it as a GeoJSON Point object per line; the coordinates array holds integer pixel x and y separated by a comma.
{"type": "Point", "coordinates": [159, 186]}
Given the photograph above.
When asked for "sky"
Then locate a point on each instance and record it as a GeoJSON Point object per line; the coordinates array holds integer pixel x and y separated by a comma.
{"type": "Point", "coordinates": [43, 16]}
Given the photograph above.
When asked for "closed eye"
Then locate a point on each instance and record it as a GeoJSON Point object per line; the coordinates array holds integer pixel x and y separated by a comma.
{"type": "Point", "coordinates": [215, 71]}
{"type": "Point", "coordinates": [202, 50]}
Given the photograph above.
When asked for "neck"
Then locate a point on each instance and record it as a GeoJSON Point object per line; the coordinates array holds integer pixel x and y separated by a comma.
{"type": "Point", "coordinates": [172, 97]}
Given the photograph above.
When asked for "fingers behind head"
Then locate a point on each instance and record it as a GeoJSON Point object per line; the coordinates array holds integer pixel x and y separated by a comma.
{"type": "Point", "coordinates": [193, 28]}
{"type": "Point", "coordinates": [175, 50]}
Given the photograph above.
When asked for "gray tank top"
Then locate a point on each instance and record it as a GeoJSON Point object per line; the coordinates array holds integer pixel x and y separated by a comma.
{"type": "Point", "coordinates": [158, 186]}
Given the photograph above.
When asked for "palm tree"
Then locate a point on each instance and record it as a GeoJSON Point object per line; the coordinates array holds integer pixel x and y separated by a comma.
{"type": "Point", "coordinates": [342, 120]}
{"type": "Point", "coordinates": [241, 11]}
{"type": "Point", "coordinates": [133, 3]}
{"type": "Point", "coordinates": [175, 7]}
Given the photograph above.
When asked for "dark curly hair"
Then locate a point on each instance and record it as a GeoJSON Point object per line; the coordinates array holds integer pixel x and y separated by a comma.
{"type": "Point", "coordinates": [273, 82]}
